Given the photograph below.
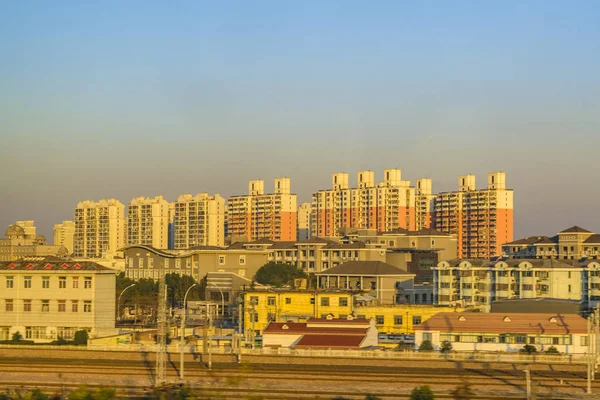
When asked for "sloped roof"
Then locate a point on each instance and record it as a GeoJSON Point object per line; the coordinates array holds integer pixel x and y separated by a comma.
{"type": "Point", "coordinates": [53, 265]}
{"type": "Point", "coordinates": [345, 321]}
{"type": "Point", "coordinates": [317, 240]}
{"type": "Point", "coordinates": [371, 268]}
{"type": "Point", "coordinates": [301, 328]}
{"type": "Point", "coordinates": [395, 231]}
{"type": "Point", "coordinates": [575, 229]}
{"type": "Point", "coordinates": [528, 240]}
{"type": "Point", "coordinates": [283, 245]}
{"type": "Point", "coordinates": [594, 239]}
{"type": "Point", "coordinates": [505, 323]}
{"type": "Point", "coordinates": [330, 341]}
{"type": "Point", "coordinates": [429, 232]}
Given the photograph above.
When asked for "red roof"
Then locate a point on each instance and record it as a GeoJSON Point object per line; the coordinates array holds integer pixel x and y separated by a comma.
{"type": "Point", "coordinates": [296, 328]}
{"type": "Point", "coordinates": [330, 342]}
{"type": "Point", "coordinates": [355, 321]}
{"type": "Point", "coordinates": [505, 323]}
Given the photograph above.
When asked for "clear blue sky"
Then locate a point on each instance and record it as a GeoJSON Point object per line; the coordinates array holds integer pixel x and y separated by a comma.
{"type": "Point", "coordinates": [123, 99]}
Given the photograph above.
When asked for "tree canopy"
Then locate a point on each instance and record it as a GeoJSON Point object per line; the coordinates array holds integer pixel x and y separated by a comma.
{"type": "Point", "coordinates": [278, 274]}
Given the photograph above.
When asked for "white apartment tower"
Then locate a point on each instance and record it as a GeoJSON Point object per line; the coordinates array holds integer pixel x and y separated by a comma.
{"type": "Point", "coordinates": [148, 222]}
{"type": "Point", "coordinates": [64, 235]}
{"type": "Point", "coordinates": [199, 221]}
{"type": "Point", "coordinates": [99, 228]}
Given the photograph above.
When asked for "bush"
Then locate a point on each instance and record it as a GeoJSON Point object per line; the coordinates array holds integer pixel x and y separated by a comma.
{"type": "Point", "coordinates": [402, 345]}
{"type": "Point", "coordinates": [17, 336]}
{"type": "Point", "coordinates": [372, 397]}
{"type": "Point", "coordinates": [80, 338]}
{"type": "Point", "coordinates": [422, 393]}
{"type": "Point", "coordinates": [426, 346]}
{"type": "Point", "coordinates": [552, 350]}
{"type": "Point", "coordinates": [446, 347]}
{"type": "Point", "coordinates": [83, 393]}
{"type": "Point", "coordinates": [278, 274]}
{"type": "Point", "coordinates": [462, 392]}
{"type": "Point", "coordinates": [529, 349]}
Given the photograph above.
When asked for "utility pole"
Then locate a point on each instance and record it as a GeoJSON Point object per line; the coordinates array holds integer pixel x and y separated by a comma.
{"type": "Point", "coordinates": [589, 354]}
{"type": "Point", "coordinates": [240, 321]}
{"type": "Point", "coordinates": [161, 336]}
{"type": "Point", "coordinates": [528, 383]}
{"type": "Point", "coordinates": [209, 338]}
{"type": "Point", "coordinates": [596, 337]}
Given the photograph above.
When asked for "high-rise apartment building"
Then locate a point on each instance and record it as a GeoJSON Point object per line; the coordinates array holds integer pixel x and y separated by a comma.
{"type": "Point", "coordinates": [481, 219]}
{"type": "Point", "coordinates": [263, 216]}
{"type": "Point", "coordinates": [199, 221]}
{"type": "Point", "coordinates": [423, 203]}
{"type": "Point", "coordinates": [148, 222]}
{"type": "Point", "coordinates": [99, 228]}
{"type": "Point", "coordinates": [64, 235]}
{"type": "Point", "coordinates": [303, 222]}
{"type": "Point", "coordinates": [388, 205]}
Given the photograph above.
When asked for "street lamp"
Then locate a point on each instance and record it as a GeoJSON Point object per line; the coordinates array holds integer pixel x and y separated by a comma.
{"type": "Point", "coordinates": [183, 331]}
{"type": "Point", "coordinates": [222, 300]}
{"type": "Point", "coordinates": [119, 301]}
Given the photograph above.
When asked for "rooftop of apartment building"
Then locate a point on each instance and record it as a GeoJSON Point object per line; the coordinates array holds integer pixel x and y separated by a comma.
{"type": "Point", "coordinates": [51, 264]}
{"type": "Point", "coordinates": [516, 262]}
{"type": "Point", "coordinates": [364, 268]}
{"type": "Point", "coordinates": [593, 238]}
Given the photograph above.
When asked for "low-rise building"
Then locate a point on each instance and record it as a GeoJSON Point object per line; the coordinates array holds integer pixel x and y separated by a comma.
{"type": "Point", "coordinates": [22, 241]}
{"type": "Point", "coordinates": [322, 333]}
{"type": "Point", "coordinates": [508, 332]}
{"type": "Point", "coordinates": [51, 298]}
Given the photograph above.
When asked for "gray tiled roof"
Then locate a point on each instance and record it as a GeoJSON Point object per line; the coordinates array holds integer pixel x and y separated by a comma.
{"type": "Point", "coordinates": [370, 268]}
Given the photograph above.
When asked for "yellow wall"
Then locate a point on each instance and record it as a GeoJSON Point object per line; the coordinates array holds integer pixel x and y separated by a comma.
{"type": "Point", "coordinates": [300, 304]}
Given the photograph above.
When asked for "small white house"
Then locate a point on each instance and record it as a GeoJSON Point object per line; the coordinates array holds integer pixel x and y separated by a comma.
{"type": "Point", "coordinates": [322, 333]}
{"type": "Point", "coordinates": [505, 332]}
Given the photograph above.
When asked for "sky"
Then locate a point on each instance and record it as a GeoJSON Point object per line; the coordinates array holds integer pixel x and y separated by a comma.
{"type": "Point", "coordinates": [137, 98]}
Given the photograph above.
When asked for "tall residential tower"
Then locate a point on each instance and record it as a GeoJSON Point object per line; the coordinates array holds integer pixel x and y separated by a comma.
{"type": "Point", "coordinates": [199, 221]}
{"type": "Point", "coordinates": [99, 228]}
{"type": "Point", "coordinates": [148, 222]}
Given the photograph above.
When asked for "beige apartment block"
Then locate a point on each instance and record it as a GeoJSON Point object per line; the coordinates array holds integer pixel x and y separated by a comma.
{"type": "Point", "coordinates": [477, 283]}
{"type": "Point", "coordinates": [47, 299]}
{"type": "Point", "coordinates": [574, 243]}
{"type": "Point", "coordinates": [303, 221]}
{"type": "Point", "coordinates": [22, 241]}
{"type": "Point", "coordinates": [148, 222]}
{"type": "Point", "coordinates": [99, 228]}
{"type": "Point", "coordinates": [64, 235]}
{"type": "Point", "coordinates": [199, 221]}
{"type": "Point", "coordinates": [481, 219]}
{"type": "Point", "coordinates": [263, 216]}
{"type": "Point", "coordinates": [384, 206]}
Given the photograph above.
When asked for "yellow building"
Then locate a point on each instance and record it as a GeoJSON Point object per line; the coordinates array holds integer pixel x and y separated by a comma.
{"type": "Point", "coordinates": [264, 306]}
{"type": "Point", "coordinates": [64, 235]}
{"type": "Point", "coordinates": [148, 222]}
{"type": "Point", "coordinates": [199, 221]}
{"type": "Point", "coordinates": [22, 241]}
{"type": "Point", "coordinates": [99, 228]}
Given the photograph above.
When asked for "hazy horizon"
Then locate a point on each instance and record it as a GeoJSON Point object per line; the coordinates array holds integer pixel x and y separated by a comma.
{"type": "Point", "coordinates": [101, 100]}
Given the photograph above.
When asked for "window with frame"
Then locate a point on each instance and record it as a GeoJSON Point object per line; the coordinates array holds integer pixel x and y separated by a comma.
{"type": "Point", "coordinates": [75, 282]}
{"type": "Point", "coordinates": [325, 301]}
{"type": "Point", "coordinates": [221, 260]}
{"type": "Point", "coordinates": [271, 300]}
{"type": "Point", "coordinates": [379, 319]}
{"type": "Point", "coordinates": [87, 306]}
{"type": "Point", "coordinates": [10, 282]}
{"type": "Point", "coordinates": [416, 320]}
{"type": "Point", "coordinates": [583, 341]}
{"type": "Point", "coordinates": [87, 282]}
{"type": "Point", "coordinates": [45, 305]}
{"type": "Point", "coordinates": [150, 262]}
{"type": "Point", "coordinates": [45, 282]}
{"type": "Point", "coordinates": [74, 306]}
{"type": "Point", "coordinates": [178, 263]}
{"type": "Point", "coordinates": [254, 300]}
{"type": "Point", "coordinates": [140, 262]}
{"type": "Point", "coordinates": [62, 305]}
{"type": "Point", "coordinates": [288, 300]}
{"type": "Point", "coordinates": [188, 263]}
{"type": "Point", "coordinates": [27, 305]}
{"type": "Point", "coordinates": [427, 336]}
{"type": "Point", "coordinates": [27, 282]}
{"type": "Point", "coordinates": [8, 307]}
{"type": "Point", "coordinates": [397, 319]}
{"type": "Point", "coordinates": [271, 317]}
{"type": "Point", "coordinates": [166, 263]}
{"type": "Point", "coordinates": [312, 300]}
{"type": "Point", "coordinates": [254, 317]}
{"type": "Point", "coordinates": [343, 302]}
{"type": "Point", "coordinates": [62, 282]}
{"type": "Point", "coordinates": [242, 260]}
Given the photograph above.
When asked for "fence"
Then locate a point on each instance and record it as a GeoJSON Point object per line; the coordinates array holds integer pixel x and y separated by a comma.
{"type": "Point", "coordinates": [375, 354]}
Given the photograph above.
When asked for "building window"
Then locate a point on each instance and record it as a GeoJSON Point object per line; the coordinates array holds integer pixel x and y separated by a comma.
{"type": "Point", "coordinates": [254, 317]}
{"type": "Point", "coordinates": [271, 300]}
{"type": "Point", "coordinates": [569, 288]}
{"type": "Point", "coordinates": [242, 260]}
{"type": "Point", "coordinates": [254, 300]}
{"type": "Point", "coordinates": [221, 260]}
{"type": "Point", "coordinates": [75, 282]}
{"type": "Point", "coordinates": [150, 262]}
{"type": "Point", "coordinates": [188, 263]}
{"type": "Point", "coordinates": [140, 262]}
{"type": "Point", "coordinates": [74, 306]}
{"type": "Point", "coordinates": [379, 319]}
{"type": "Point", "coordinates": [87, 282]}
{"type": "Point", "coordinates": [177, 263]}
{"type": "Point", "coordinates": [584, 341]}
{"type": "Point", "coordinates": [343, 302]}
{"type": "Point", "coordinates": [427, 336]}
{"type": "Point", "coordinates": [45, 305]}
{"type": "Point", "coordinates": [27, 305]}
{"type": "Point", "coordinates": [288, 300]}
{"type": "Point", "coordinates": [325, 301]}
{"type": "Point", "coordinates": [62, 282]}
{"type": "Point", "coordinates": [62, 305]}
{"type": "Point", "coordinates": [10, 283]}
{"type": "Point", "coordinates": [45, 282]}
{"type": "Point", "coordinates": [416, 320]}
{"type": "Point", "coordinates": [397, 319]}
{"type": "Point", "coordinates": [312, 300]}
{"type": "Point", "coordinates": [27, 282]}
{"type": "Point", "coordinates": [271, 317]}
{"type": "Point", "coordinates": [8, 305]}
{"type": "Point", "coordinates": [87, 306]}
{"type": "Point", "coordinates": [166, 263]}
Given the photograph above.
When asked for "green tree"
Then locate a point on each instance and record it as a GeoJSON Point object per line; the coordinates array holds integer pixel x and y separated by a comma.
{"type": "Point", "coordinates": [462, 392]}
{"type": "Point", "coordinates": [80, 338]}
{"type": "Point", "coordinates": [422, 393]}
{"type": "Point", "coordinates": [402, 345]}
{"type": "Point", "coordinates": [552, 350]}
{"type": "Point", "coordinates": [426, 346]}
{"type": "Point", "coordinates": [372, 397]}
{"type": "Point", "coordinates": [35, 394]}
{"type": "Point", "coordinates": [278, 274]}
{"type": "Point", "coordinates": [446, 347]}
{"type": "Point", "coordinates": [83, 393]}
{"type": "Point", "coordinates": [17, 336]}
{"type": "Point", "coordinates": [528, 349]}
